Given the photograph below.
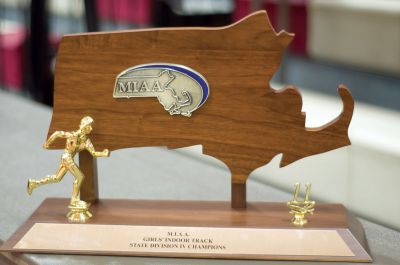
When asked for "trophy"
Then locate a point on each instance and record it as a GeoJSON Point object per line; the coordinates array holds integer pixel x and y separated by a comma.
{"type": "Point", "coordinates": [182, 87]}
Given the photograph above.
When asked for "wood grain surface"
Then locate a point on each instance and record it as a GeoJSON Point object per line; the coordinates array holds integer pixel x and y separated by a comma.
{"type": "Point", "coordinates": [201, 214]}
{"type": "Point", "coordinates": [90, 190]}
{"type": "Point", "coordinates": [244, 122]}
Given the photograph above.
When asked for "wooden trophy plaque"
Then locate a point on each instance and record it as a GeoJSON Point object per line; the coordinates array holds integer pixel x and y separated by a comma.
{"type": "Point", "coordinates": [179, 87]}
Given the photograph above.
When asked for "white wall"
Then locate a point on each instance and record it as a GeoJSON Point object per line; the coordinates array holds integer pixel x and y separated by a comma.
{"type": "Point", "coordinates": [362, 33]}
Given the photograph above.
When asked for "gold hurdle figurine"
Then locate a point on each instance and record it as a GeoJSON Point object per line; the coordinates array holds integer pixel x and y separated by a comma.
{"type": "Point", "coordinates": [76, 141]}
{"type": "Point", "coordinates": [300, 209]}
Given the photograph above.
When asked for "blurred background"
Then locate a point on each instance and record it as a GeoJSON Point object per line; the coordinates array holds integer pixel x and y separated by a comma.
{"type": "Point", "coordinates": [355, 42]}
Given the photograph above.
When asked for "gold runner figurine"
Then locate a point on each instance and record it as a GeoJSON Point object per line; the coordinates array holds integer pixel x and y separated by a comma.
{"type": "Point", "coordinates": [76, 141]}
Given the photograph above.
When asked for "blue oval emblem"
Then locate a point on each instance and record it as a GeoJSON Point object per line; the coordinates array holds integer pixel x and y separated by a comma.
{"type": "Point", "coordinates": [179, 89]}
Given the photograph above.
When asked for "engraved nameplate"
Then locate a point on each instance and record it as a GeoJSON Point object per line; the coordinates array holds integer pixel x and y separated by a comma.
{"type": "Point", "coordinates": [183, 241]}
{"type": "Point", "coordinates": [179, 89]}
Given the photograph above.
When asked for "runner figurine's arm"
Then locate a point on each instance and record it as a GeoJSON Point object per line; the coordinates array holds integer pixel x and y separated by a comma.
{"type": "Point", "coordinates": [55, 135]}
{"type": "Point", "coordinates": [90, 148]}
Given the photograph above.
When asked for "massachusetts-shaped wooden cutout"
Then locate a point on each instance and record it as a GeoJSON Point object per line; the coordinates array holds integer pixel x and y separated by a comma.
{"type": "Point", "coordinates": [244, 122]}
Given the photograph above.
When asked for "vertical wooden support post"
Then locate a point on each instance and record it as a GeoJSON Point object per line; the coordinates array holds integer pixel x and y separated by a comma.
{"type": "Point", "coordinates": [89, 189]}
{"type": "Point", "coordinates": [238, 195]}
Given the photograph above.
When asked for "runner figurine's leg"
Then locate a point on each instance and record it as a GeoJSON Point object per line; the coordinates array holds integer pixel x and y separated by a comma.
{"type": "Point", "coordinates": [32, 184]}
{"type": "Point", "coordinates": [79, 177]}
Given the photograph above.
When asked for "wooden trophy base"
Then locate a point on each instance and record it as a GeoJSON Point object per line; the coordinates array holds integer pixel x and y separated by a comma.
{"type": "Point", "coordinates": [195, 229]}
